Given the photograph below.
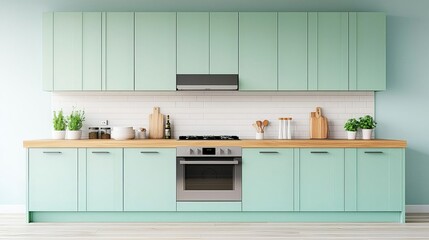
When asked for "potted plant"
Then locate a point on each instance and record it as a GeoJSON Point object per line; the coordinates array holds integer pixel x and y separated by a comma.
{"type": "Point", "coordinates": [74, 124]}
{"type": "Point", "coordinates": [59, 123]}
{"type": "Point", "coordinates": [351, 126]}
{"type": "Point", "coordinates": [367, 124]}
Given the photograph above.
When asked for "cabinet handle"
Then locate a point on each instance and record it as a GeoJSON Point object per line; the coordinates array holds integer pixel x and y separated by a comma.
{"type": "Point", "coordinates": [52, 152]}
{"type": "Point", "coordinates": [143, 152]}
{"type": "Point", "coordinates": [373, 151]}
{"type": "Point", "coordinates": [100, 152]}
{"type": "Point", "coordinates": [319, 152]}
{"type": "Point", "coordinates": [268, 152]}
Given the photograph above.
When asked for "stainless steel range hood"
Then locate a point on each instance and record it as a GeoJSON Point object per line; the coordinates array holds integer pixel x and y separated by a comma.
{"type": "Point", "coordinates": [207, 82]}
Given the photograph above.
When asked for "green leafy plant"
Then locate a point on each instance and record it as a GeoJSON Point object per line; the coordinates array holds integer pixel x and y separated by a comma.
{"type": "Point", "coordinates": [59, 121]}
{"type": "Point", "coordinates": [367, 122]}
{"type": "Point", "coordinates": [351, 125]}
{"type": "Point", "coordinates": [75, 120]}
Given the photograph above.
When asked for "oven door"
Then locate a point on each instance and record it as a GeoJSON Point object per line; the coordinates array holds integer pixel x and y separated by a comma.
{"type": "Point", "coordinates": [209, 179]}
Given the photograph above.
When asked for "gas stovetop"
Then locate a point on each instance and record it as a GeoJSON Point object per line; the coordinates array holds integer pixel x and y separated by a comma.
{"type": "Point", "coordinates": [210, 137]}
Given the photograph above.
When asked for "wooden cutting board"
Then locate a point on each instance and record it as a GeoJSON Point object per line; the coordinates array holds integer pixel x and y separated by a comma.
{"type": "Point", "coordinates": [156, 124]}
{"type": "Point", "coordinates": [318, 125]}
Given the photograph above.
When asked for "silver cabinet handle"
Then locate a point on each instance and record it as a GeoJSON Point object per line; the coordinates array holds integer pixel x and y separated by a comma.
{"type": "Point", "coordinates": [149, 152]}
{"type": "Point", "coordinates": [373, 151]}
{"type": "Point", "coordinates": [319, 152]}
{"type": "Point", "coordinates": [103, 152]}
{"type": "Point", "coordinates": [235, 162]}
{"type": "Point", "coordinates": [52, 152]}
{"type": "Point", "coordinates": [268, 152]}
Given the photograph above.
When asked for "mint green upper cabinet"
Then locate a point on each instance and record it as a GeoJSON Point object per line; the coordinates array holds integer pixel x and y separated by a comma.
{"type": "Point", "coordinates": [380, 179]}
{"type": "Point", "coordinates": [224, 43]}
{"type": "Point", "coordinates": [48, 51]}
{"type": "Point", "coordinates": [258, 50]}
{"type": "Point", "coordinates": [155, 51]}
{"type": "Point", "coordinates": [328, 51]}
{"type": "Point", "coordinates": [67, 51]}
{"type": "Point", "coordinates": [104, 179]}
{"type": "Point", "coordinates": [119, 51]}
{"type": "Point", "coordinates": [150, 179]}
{"type": "Point", "coordinates": [52, 179]}
{"type": "Point", "coordinates": [321, 176]}
{"type": "Point", "coordinates": [268, 179]}
{"type": "Point", "coordinates": [193, 42]}
{"type": "Point", "coordinates": [292, 51]}
{"type": "Point", "coordinates": [91, 51]}
{"type": "Point", "coordinates": [367, 49]}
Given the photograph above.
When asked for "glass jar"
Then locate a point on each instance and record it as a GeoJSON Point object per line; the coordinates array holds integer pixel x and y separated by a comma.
{"type": "Point", "coordinates": [105, 133]}
{"type": "Point", "coordinates": [93, 133]}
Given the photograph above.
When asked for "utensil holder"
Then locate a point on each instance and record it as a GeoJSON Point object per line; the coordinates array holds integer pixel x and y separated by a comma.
{"type": "Point", "coordinates": [259, 136]}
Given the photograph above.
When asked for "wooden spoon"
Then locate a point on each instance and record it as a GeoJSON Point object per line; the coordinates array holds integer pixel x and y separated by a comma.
{"type": "Point", "coordinates": [259, 123]}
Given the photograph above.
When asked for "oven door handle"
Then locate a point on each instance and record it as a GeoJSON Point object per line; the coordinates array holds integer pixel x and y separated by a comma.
{"type": "Point", "coordinates": [234, 162]}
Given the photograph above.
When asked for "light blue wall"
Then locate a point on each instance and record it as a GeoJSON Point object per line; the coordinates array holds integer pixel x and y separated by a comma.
{"type": "Point", "coordinates": [400, 111]}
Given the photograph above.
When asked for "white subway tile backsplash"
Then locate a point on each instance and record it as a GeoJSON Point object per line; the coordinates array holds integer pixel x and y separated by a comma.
{"type": "Point", "coordinates": [215, 113]}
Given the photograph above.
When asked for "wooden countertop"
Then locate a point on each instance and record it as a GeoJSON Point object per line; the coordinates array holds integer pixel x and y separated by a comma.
{"type": "Point", "coordinates": [246, 143]}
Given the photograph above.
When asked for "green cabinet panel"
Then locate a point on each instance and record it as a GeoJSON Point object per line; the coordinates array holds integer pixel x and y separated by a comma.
{"type": "Point", "coordinates": [91, 51]}
{"type": "Point", "coordinates": [119, 51]}
{"type": "Point", "coordinates": [258, 50]}
{"type": "Point", "coordinates": [328, 51]}
{"type": "Point", "coordinates": [52, 179]}
{"type": "Point", "coordinates": [380, 179]}
{"type": "Point", "coordinates": [67, 51]}
{"type": "Point", "coordinates": [321, 181]}
{"type": "Point", "coordinates": [48, 51]}
{"type": "Point", "coordinates": [367, 47]}
{"type": "Point", "coordinates": [224, 43]}
{"type": "Point", "coordinates": [268, 179]}
{"type": "Point", "coordinates": [192, 42]}
{"type": "Point", "coordinates": [208, 206]}
{"type": "Point", "coordinates": [155, 51]}
{"type": "Point", "coordinates": [292, 51]}
{"type": "Point", "coordinates": [150, 179]}
{"type": "Point", "coordinates": [104, 179]}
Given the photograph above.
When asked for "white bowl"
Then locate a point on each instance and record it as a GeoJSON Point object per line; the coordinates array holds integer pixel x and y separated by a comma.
{"type": "Point", "coordinates": [122, 129]}
{"type": "Point", "coordinates": [123, 135]}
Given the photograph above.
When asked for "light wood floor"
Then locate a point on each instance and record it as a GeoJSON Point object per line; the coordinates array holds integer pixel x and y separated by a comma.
{"type": "Point", "coordinates": [14, 227]}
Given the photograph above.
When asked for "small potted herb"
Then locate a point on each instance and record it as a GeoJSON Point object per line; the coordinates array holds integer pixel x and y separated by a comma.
{"type": "Point", "coordinates": [367, 124]}
{"type": "Point", "coordinates": [351, 127]}
{"type": "Point", "coordinates": [74, 124]}
{"type": "Point", "coordinates": [59, 123]}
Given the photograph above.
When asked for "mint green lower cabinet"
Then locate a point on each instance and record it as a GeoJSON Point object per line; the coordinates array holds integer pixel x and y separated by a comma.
{"type": "Point", "coordinates": [150, 179]}
{"type": "Point", "coordinates": [380, 179]}
{"type": "Point", "coordinates": [321, 183]}
{"type": "Point", "coordinates": [208, 206]}
{"type": "Point", "coordinates": [104, 179]}
{"type": "Point", "coordinates": [268, 179]}
{"type": "Point", "coordinates": [52, 179]}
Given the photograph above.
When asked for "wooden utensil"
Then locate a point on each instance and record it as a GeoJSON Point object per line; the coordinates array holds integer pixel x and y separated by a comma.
{"type": "Point", "coordinates": [259, 124]}
{"type": "Point", "coordinates": [156, 124]}
{"type": "Point", "coordinates": [265, 124]}
{"type": "Point", "coordinates": [318, 125]}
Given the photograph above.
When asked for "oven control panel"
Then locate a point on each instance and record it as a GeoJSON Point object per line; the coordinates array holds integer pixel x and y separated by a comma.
{"type": "Point", "coordinates": [208, 151]}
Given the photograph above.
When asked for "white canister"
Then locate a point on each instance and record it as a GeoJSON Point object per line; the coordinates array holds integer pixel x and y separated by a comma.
{"type": "Point", "coordinates": [280, 128]}
{"type": "Point", "coordinates": [289, 128]}
{"type": "Point", "coordinates": [259, 136]}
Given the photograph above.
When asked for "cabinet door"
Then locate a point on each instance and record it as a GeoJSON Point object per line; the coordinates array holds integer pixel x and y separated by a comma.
{"type": "Point", "coordinates": [67, 51]}
{"type": "Point", "coordinates": [258, 50]}
{"type": "Point", "coordinates": [52, 179]}
{"type": "Point", "coordinates": [120, 51]}
{"type": "Point", "coordinates": [224, 43]}
{"type": "Point", "coordinates": [192, 42]}
{"type": "Point", "coordinates": [91, 51]}
{"type": "Point", "coordinates": [268, 179]}
{"type": "Point", "coordinates": [292, 44]}
{"type": "Point", "coordinates": [367, 51]}
{"type": "Point", "coordinates": [155, 51]}
{"type": "Point", "coordinates": [48, 51]}
{"type": "Point", "coordinates": [321, 186]}
{"type": "Point", "coordinates": [149, 179]}
{"type": "Point", "coordinates": [104, 179]}
{"type": "Point", "coordinates": [380, 179]}
{"type": "Point", "coordinates": [328, 51]}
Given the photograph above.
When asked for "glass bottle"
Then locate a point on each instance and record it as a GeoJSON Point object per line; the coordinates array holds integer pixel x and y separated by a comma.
{"type": "Point", "coordinates": [167, 134]}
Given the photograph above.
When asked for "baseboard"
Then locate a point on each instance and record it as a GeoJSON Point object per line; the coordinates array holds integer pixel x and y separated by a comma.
{"type": "Point", "coordinates": [417, 208]}
{"type": "Point", "coordinates": [12, 208]}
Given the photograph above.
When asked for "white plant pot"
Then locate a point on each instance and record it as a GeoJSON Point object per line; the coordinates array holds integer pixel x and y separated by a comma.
{"type": "Point", "coordinates": [366, 134]}
{"type": "Point", "coordinates": [73, 135]}
{"type": "Point", "coordinates": [259, 136]}
{"type": "Point", "coordinates": [351, 135]}
{"type": "Point", "coordinates": [58, 135]}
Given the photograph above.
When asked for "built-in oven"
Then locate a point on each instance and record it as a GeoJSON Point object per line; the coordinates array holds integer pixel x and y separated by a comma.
{"type": "Point", "coordinates": [208, 173]}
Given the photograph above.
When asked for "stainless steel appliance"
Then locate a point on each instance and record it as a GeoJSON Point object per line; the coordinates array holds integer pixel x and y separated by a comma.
{"type": "Point", "coordinates": [207, 82]}
{"type": "Point", "coordinates": [208, 173]}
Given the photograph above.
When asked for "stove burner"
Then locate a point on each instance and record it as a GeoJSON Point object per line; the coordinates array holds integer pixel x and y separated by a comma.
{"type": "Point", "coordinates": [209, 137]}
